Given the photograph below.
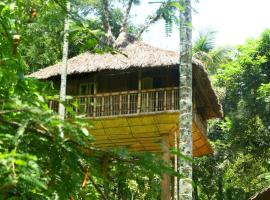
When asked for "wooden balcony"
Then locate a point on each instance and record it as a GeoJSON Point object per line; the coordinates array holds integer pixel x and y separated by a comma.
{"type": "Point", "coordinates": [124, 103]}
{"type": "Point", "coordinates": [137, 120]}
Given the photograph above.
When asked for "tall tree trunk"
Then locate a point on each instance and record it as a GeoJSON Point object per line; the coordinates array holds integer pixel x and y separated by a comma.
{"type": "Point", "coordinates": [106, 24]}
{"type": "Point", "coordinates": [185, 119]}
{"type": "Point", "coordinates": [64, 64]}
{"type": "Point", "coordinates": [125, 19]}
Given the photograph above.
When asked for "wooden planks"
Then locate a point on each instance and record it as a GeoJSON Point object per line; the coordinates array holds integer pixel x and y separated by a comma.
{"type": "Point", "coordinates": [144, 132]}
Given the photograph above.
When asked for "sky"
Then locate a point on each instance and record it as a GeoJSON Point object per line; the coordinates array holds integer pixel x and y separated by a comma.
{"type": "Point", "coordinates": [233, 20]}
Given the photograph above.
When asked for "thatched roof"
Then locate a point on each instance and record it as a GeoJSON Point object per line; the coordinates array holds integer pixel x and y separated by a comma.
{"type": "Point", "coordinates": [133, 55]}
{"type": "Point", "coordinates": [262, 195]}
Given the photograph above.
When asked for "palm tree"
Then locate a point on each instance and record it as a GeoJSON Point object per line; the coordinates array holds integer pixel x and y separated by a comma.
{"type": "Point", "coordinates": [185, 118]}
{"type": "Point", "coordinates": [204, 50]}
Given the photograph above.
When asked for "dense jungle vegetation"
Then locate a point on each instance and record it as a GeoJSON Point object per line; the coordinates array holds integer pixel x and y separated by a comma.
{"type": "Point", "coordinates": [36, 162]}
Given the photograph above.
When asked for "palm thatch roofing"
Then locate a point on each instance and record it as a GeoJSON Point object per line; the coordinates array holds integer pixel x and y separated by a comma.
{"type": "Point", "coordinates": [134, 55]}
{"type": "Point", "coordinates": [262, 195]}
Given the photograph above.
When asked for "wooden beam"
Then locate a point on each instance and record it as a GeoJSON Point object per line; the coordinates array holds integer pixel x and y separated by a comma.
{"type": "Point", "coordinates": [165, 182]}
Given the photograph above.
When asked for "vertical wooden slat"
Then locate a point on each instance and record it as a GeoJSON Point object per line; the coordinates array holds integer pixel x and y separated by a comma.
{"type": "Point", "coordinates": [85, 104]}
{"type": "Point", "coordinates": [156, 104]}
{"type": "Point", "coordinates": [120, 104]}
{"type": "Point", "coordinates": [147, 101]}
{"type": "Point", "coordinates": [177, 99]}
{"type": "Point", "coordinates": [173, 100]}
{"type": "Point", "coordinates": [95, 98]}
{"type": "Point", "coordinates": [165, 100]}
{"type": "Point", "coordinates": [128, 104]}
{"type": "Point", "coordinates": [139, 91]}
{"type": "Point", "coordinates": [102, 106]}
{"type": "Point", "coordinates": [77, 105]}
{"type": "Point", "coordinates": [111, 106]}
{"type": "Point", "coordinates": [50, 105]}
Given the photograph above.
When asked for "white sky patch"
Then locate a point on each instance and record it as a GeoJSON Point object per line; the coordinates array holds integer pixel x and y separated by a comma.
{"type": "Point", "coordinates": [233, 20]}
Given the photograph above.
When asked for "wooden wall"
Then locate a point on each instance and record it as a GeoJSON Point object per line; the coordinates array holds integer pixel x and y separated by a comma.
{"type": "Point", "coordinates": [116, 81]}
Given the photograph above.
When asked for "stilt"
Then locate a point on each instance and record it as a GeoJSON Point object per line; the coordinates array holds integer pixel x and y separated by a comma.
{"type": "Point", "coordinates": [175, 161]}
{"type": "Point", "coordinates": [165, 182]}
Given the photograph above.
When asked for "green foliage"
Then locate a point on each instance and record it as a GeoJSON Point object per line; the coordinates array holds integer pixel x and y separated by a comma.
{"type": "Point", "coordinates": [204, 50]}
{"type": "Point", "coordinates": [42, 35]}
{"type": "Point", "coordinates": [36, 162]}
{"type": "Point", "coordinates": [205, 42]}
{"type": "Point", "coordinates": [240, 165]}
{"type": "Point", "coordinates": [93, 10]}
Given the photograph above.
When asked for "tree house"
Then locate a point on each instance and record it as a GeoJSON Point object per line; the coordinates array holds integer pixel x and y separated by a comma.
{"type": "Point", "coordinates": [132, 98]}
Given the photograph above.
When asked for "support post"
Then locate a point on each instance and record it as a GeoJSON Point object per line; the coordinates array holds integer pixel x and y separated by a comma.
{"type": "Point", "coordinates": [165, 182]}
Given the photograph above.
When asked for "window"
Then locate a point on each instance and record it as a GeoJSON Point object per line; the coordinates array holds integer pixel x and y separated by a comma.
{"type": "Point", "coordinates": [83, 89]}
{"type": "Point", "coordinates": [87, 89]}
{"type": "Point", "coordinates": [147, 83]}
{"type": "Point", "coordinates": [91, 88]}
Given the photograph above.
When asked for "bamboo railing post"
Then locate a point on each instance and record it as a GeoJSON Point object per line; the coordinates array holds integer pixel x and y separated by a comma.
{"type": "Point", "coordinates": [128, 103]}
{"type": "Point", "coordinates": [111, 106]}
{"type": "Point", "coordinates": [156, 104]}
{"type": "Point", "coordinates": [85, 104]}
{"type": "Point", "coordinates": [164, 100]}
{"type": "Point", "coordinates": [76, 104]}
{"type": "Point", "coordinates": [120, 104]}
{"type": "Point", "coordinates": [95, 97]}
{"type": "Point", "coordinates": [102, 106]}
{"type": "Point", "coordinates": [147, 101]}
{"type": "Point", "coordinates": [139, 90]}
{"type": "Point", "coordinates": [50, 105]}
{"type": "Point", "coordinates": [125, 102]}
{"type": "Point", "coordinates": [173, 100]}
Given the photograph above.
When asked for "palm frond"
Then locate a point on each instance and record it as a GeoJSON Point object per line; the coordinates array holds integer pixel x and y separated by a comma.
{"type": "Point", "coordinates": [205, 42]}
{"type": "Point", "coordinates": [220, 55]}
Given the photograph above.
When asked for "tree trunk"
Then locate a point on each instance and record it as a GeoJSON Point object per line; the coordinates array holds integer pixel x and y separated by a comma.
{"type": "Point", "coordinates": [64, 65]}
{"type": "Point", "coordinates": [185, 119]}
{"type": "Point", "coordinates": [125, 19]}
{"type": "Point", "coordinates": [107, 27]}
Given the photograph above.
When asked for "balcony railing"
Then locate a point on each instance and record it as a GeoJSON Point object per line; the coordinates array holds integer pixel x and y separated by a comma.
{"type": "Point", "coordinates": [124, 103]}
